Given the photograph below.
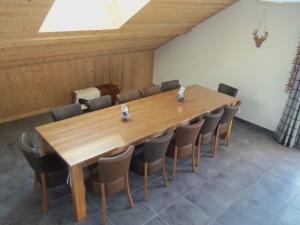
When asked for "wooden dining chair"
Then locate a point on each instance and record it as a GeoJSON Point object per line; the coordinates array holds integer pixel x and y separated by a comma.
{"type": "Point", "coordinates": [128, 96]}
{"type": "Point", "coordinates": [228, 90]}
{"type": "Point", "coordinates": [151, 90]}
{"type": "Point", "coordinates": [169, 85]}
{"type": "Point", "coordinates": [99, 103]}
{"type": "Point", "coordinates": [66, 111]}
{"type": "Point", "coordinates": [149, 158]}
{"type": "Point", "coordinates": [49, 170]}
{"type": "Point", "coordinates": [225, 124]}
{"type": "Point", "coordinates": [112, 177]}
{"type": "Point", "coordinates": [210, 132]}
{"type": "Point", "coordinates": [183, 143]}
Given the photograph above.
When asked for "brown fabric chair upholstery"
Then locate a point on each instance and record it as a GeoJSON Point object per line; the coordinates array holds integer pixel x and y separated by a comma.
{"type": "Point", "coordinates": [169, 85]}
{"type": "Point", "coordinates": [99, 103]}
{"type": "Point", "coordinates": [149, 158]}
{"type": "Point", "coordinates": [225, 124]}
{"type": "Point", "coordinates": [49, 171]}
{"type": "Point", "coordinates": [128, 96]}
{"type": "Point", "coordinates": [183, 143]}
{"type": "Point", "coordinates": [112, 176]}
{"type": "Point", "coordinates": [65, 112]}
{"type": "Point", "coordinates": [228, 90]}
{"type": "Point", "coordinates": [151, 90]}
{"type": "Point", "coordinates": [207, 134]}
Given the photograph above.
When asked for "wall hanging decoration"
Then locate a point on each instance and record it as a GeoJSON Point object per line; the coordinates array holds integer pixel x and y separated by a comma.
{"type": "Point", "coordinates": [259, 39]}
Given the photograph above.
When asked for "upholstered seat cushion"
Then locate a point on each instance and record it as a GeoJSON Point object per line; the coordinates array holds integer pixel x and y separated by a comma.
{"type": "Point", "coordinates": [56, 170]}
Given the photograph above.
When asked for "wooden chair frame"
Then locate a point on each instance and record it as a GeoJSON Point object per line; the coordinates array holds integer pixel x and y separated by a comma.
{"type": "Point", "coordinates": [165, 180]}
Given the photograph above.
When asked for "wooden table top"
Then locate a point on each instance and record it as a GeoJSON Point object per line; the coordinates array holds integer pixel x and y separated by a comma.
{"type": "Point", "coordinates": [82, 139]}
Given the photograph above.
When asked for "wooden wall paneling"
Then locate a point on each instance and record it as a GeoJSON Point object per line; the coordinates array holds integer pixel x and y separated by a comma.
{"type": "Point", "coordinates": [32, 89]}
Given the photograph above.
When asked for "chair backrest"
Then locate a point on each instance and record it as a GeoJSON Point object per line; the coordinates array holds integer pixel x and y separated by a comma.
{"type": "Point", "coordinates": [113, 168]}
{"type": "Point", "coordinates": [169, 85]}
{"type": "Point", "coordinates": [211, 121]}
{"type": "Point", "coordinates": [99, 103]}
{"type": "Point", "coordinates": [228, 90]}
{"type": "Point", "coordinates": [66, 111]}
{"type": "Point", "coordinates": [156, 148]}
{"type": "Point", "coordinates": [151, 90]}
{"type": "Point", "coordinates": [229, 113]}
{"type": "Point", "coordinates": [31, 151]}
{"type": "Point", "coordinates": [187, 134]}
{"type": "Point", "coordinates": [128, 96]}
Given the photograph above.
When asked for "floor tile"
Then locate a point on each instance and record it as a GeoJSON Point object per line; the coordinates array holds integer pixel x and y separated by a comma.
{"type": "Point", "coordinates": [296, 201]}
{"type": "Point", "coordinates": [95, 219]}
{"type": "Point", "coordinates": [120, 213]}
{"type": "Point", "coordinates": [184, 212]}
{"type": "Point", "coordinates": [156, 221]}
{"type": "Point", "coordinates": [290, 216]}
{"type": "Point", "coordinates": [271, 193]}
{"type": "Point", "coordinates": [246, 213]}
{"type": "Point", "coordinates": [17, 201]}
{"type": "Point", "coordinates": [219, 192]}
{"type": "Point", "coordinates": [159, 197]}
{"type": "Point", "coordinates": [63, 211]}
{"type": "Point", "coordinates": [288, 172]}
{"type": "Point", "coordinates": [37, 219]}
{"type": "Point", "coordinates": [186, 180]}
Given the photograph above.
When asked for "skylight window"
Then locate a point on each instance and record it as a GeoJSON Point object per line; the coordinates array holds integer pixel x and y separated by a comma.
{"type": "Point", "coordinates": [282, 1]}
{"type": "Point", "coordinates": [83, 15]}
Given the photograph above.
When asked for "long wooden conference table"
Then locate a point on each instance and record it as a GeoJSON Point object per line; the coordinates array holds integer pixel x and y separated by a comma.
{"type": "Point", "coordinates": [81, 140]}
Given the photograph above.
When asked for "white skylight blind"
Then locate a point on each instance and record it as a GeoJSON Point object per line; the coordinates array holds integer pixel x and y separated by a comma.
{"type": "Point", "coordinates": [82, 15]}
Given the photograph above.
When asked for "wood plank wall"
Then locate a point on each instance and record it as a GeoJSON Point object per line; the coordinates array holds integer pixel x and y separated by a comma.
{"type": "Point", "coordinates": [33, 89]}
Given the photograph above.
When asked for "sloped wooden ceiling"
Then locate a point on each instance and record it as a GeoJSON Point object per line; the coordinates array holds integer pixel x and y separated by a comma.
{"type": "Point", "coordinates": [154, 25]}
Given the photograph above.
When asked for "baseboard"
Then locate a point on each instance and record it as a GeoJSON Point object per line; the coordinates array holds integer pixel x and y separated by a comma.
{"type": "Point", "coordinates": [25, 115]}
{"type": "Point", "coordinates": [253, 125]}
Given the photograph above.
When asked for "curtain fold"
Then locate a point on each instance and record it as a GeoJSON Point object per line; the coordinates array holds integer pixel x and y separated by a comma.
{"type": "Point", "coordinates": [288, 130]}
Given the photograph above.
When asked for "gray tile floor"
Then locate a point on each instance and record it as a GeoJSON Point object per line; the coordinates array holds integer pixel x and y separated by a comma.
{"type": "Point", "coordinates": [255, 181]}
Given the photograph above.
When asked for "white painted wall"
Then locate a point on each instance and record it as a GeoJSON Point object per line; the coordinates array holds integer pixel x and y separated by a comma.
{"type": "Point", "coordinates": [222, 50]}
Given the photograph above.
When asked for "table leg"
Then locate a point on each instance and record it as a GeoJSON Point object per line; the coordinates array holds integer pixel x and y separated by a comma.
{"type": "Point", "coordinates": [78, 192]}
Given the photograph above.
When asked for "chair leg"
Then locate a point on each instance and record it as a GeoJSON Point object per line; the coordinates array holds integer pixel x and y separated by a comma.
{"type": "Point", "coordinates": [164, 171]}
{"type": "Point", "coordinates": [215, 142]}
{"type": "Point", "coordinates": [193, 158]}
{"type": "Point", "coordinates": [212, 145]}
{"type": "Point", "coordinates": [45, 192]}
{"type": "Point", "coordinates": [35, 184]}
{"type": "Point", "coordinates": [103, 203]}
{"type": "Point", "coordinates": [128, 191]}
{"type": "Point", "coordinates": [228, 133]}
{"type": "Point", "coordinates": [145, 181]}
{"type": "Point", "coordinates": [198, 151]}
{"type": "Point", "coordinates": [175, 162]}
